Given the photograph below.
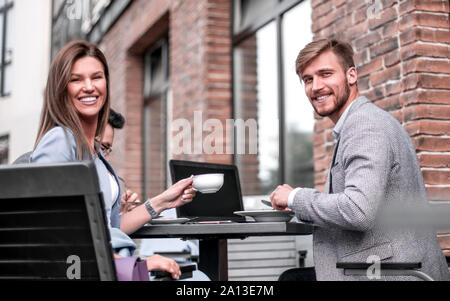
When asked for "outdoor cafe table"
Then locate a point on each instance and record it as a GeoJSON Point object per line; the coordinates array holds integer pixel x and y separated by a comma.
{"type": "Point", "coordinates": [213, 258]}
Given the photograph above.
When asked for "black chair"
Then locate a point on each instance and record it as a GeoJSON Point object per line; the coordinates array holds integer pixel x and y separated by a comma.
{"type": "Point", "coordinates": [52, 222]}
{"type": "Point", "coordinates": [301, 273]}
{"type": "Point", "coordinates": [298, 274]}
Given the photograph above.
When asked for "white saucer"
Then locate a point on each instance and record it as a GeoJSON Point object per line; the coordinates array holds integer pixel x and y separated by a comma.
{"type": "Point", "coordinates": [268, 215]}
{"type": "Point", "coordinates": [165, 220]}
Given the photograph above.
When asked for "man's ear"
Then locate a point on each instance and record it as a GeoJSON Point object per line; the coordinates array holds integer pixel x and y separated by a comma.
{"type": "Point", "coordinates": [352, 76]}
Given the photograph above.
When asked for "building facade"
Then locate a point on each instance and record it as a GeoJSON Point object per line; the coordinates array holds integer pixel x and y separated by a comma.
{"type": "Point", "coordinates": [183, 72]}
{"type": "Point", "coordinates": [25, 46]}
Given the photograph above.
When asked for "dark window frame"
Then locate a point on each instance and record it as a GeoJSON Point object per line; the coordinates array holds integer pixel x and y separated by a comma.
{"type": "Point", "coordinates": [4, 160]}
{"type": "Point", "coordinates": [4, 10]}
{"type": "Point", "coordinates": [239, 36]}
{"type": "Point", "coordinates": [159, 94]}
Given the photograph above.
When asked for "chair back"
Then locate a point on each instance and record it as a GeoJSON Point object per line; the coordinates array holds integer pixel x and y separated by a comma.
{"type": "Point", "coordinates": [53, 224]}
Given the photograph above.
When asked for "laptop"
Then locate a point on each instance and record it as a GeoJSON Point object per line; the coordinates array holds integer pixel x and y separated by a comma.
{"type": "Point", "coordinates": [210, 207]}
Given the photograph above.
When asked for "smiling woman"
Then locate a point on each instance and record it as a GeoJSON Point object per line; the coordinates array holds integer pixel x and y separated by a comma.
{"type": "Point", "coordinates": [75, 112]}
{"type": "Point", "coordinates": [87, 88]}
{"type": "Point", "coordinates": [78, 73]}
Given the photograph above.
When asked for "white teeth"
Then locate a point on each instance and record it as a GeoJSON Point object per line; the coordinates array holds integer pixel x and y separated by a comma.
{"type": "Point", "coordinates": [88, 99]}
{"type": "Point", "coordinates": [322, 97]}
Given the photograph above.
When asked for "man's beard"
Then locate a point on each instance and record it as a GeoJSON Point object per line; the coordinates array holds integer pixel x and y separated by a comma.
{"type": "Point", "coordinates": [340, 102]}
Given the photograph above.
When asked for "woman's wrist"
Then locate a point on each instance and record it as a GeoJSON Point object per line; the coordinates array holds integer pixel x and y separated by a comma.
{"type": "Point", "coordinates": [156, 204]}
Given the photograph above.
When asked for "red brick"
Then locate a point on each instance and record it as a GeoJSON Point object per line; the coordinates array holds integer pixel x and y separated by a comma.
{"type": "Point", "coordinates": [388, 3]}
{"type": "Point", "coordinates": [374, 65]}
{"type": "Point", "coordinates": [361, 57]}
{"type": "Point", "coordinates": [338, 3]}
{"type": "Point", "coordinates": [432, 144]}
{"type": "Point", "coordinates": [434, 160]}
{"type": "Point", "coordinates": [386, 16]}
{"type": "Point", "coordinates": [426, 97]}
{"type": "Point", "coordinates": [391, 103]}
{"type": "Point", "coordinates": [389, 29]}
{"type": "Point", "coordinates": [315, 3]}
{"type": "Point", "coordinates": [339, 26]}
{"type": "Point", "coordinates": [436, 177]}
{"type": "Point", "coordinates": [321, 10]}
{"type": "Point", "coordinates": [363, 84]}
{"type": "Point", "coordinates": [418, 80]}
{"type": "Point", "coordinates": [442, 36]}
{"type": "Point", "coordinates": [393, 88]}
{"type": "Point", "coordinates": [320, 187]}
{"type": "Point", "coordinates": [426, 65]}
{"type": "Point", "coordinates": [440, 112]}
{"type": "Point", "coordinates": [320, 152]}
{"type": "Point", "coordinates": [354, 32]}
{"type": "Point", "coordinates": [428, 127]}
{"type": "Point", "coordinates": [437, 20]}
{"type": "Point", "coordinates": [329, 18]}
{"type": "Point", "coordinates": [414, 34]}
{"type": "Point", "coordinates": [322, 125]}
{"type": "Point", "coordinates": [355, 4]}
{"type": "Point", "coordinates": [320, 178]}
{"type": "Point", "coordinates": [441, 193]}
{"type": "Point", "coordinates": [367, 40]}
{"type": "Point", "coordinates": [322, 164]}
{"type": "Point", "coordinates": [385, 75]}
{"type": "Point", "coordinates": [424, 5]}
{"type": "Point", "coordinates": [383, 47]}
{"type": "Point", "coordinates": [374, 94]}
{"type": "Point", "coordinates": [319, 139]}
{"type": "Point", "coordinates": [359, 15]}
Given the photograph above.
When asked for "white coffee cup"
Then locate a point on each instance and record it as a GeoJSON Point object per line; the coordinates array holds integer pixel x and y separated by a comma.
{"type": "Point", "coordinates": [208, 183]}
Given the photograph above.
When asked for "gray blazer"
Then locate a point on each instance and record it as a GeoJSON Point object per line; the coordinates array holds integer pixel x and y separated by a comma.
{"type": "Point", "coordinates": [58, 145]}
{"type": "Point", "coordinates": [375, 166]}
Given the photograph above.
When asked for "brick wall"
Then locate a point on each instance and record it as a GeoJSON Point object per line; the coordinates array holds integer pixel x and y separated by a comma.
{"type": "Point", "coordinates": [248, 163]}
{"type": "Point", "coordinates": [403, 67]}
{"type": "Point", "coordinates": [200, 39]}
{"type": "Point", "coordinates": [200, 72]}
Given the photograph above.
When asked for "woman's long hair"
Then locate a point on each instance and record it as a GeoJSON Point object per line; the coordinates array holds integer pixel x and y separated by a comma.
{"type": "Point", "coordinates": [58, 109]}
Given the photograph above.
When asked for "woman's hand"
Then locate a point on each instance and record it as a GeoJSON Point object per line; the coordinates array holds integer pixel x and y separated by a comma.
{"type": "Point", "coordinates": [176, 195]}
{"type": "Point", "coordinates": [157, 262]}
{"type": "Point", "coordinates": [129, 201]}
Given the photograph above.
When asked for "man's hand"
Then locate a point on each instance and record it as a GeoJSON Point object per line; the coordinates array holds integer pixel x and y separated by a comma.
{"type": "Point", "coordinates": [280, 197]}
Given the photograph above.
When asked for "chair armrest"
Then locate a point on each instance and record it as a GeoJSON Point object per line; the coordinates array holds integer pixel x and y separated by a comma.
{"type": "Point", "coordinates": [186, 272]}
{"type": "Point", "coordinates": [383, 265]}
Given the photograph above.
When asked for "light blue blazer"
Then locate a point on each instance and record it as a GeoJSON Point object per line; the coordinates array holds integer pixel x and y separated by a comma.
{"type": "Point", "coordinates": [58, 146]}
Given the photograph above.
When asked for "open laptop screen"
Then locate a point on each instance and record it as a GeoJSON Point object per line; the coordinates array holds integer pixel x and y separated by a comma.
{"type": "Point", "coordinates": [214, 206]}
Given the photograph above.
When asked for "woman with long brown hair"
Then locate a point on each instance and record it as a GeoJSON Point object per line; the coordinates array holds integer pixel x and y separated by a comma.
{"type": "Point", "coordinates": [75, 111]}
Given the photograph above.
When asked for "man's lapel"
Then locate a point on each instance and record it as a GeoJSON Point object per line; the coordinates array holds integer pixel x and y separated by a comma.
{"type": "Point", "coordinates": [330, 177]}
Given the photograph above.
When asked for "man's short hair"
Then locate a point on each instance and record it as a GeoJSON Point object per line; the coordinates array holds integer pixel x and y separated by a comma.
{"type": "Point", "coordinates": [341, 49]}
{"type": "Point", "coordinates": [116, 120]}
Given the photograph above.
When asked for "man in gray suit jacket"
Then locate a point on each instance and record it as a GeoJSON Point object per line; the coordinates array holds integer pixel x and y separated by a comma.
{"type": "Point", "coordinates": [374, 168]}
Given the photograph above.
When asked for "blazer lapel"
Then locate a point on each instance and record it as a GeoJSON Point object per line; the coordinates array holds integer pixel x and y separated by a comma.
{"type": "Point", "coordinates": [330, 177]}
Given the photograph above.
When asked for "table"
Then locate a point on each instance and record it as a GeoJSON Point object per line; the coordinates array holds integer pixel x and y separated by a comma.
{"type": "Point", "coordinates": [213, 257]}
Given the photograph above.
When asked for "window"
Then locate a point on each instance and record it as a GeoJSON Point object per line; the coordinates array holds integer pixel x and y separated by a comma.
{"type": "Point", "coordinates": [4, 149]}
{"type": "Point", "coordinates": [156, 94]}
{"type": "Point", "coordinates": [266, 88]}
{"type": "Point", "coordinates": [6, 46]}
